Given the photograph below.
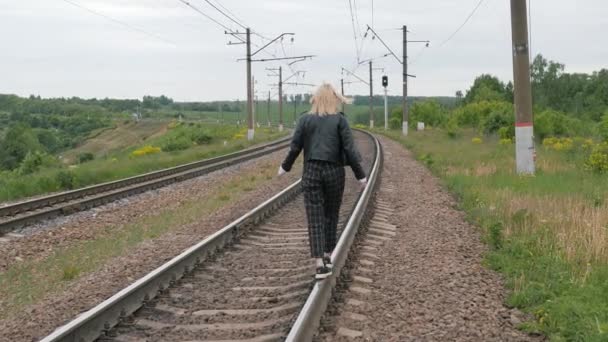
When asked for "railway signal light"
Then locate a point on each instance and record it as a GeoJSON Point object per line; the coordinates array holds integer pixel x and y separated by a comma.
{"type": "Point", "coordinates": [385, 81]}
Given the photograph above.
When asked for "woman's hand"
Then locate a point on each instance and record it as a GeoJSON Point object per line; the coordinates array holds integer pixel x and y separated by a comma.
{"type": "Point", "coordinates": [281, 171]}
{"type": "Point", "coordinates": [363, 182]}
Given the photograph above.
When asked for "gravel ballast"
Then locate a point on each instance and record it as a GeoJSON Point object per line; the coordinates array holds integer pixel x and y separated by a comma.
{"type": "Point", "coordinates": [55, 309]}
{"type": "Point", "coordinates": [417, 274]}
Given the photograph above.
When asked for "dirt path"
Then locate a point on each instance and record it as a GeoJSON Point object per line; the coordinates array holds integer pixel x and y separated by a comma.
{"type": "Point", "coordinates": [418, 273]}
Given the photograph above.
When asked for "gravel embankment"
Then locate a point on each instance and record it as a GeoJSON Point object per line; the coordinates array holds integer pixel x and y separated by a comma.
{"type": "Point", "coordinates": [420, 278]}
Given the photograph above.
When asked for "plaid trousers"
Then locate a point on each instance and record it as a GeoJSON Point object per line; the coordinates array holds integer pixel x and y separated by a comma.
{"type": "Point", "coordinates": [323, 185]}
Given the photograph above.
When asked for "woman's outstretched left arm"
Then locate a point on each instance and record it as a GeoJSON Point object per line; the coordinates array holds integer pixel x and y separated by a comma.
{"type": "Point", "coordinates": [297, 142]}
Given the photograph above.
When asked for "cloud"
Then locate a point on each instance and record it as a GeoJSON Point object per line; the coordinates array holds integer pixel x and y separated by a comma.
{"type": "Point", "coordinates": [56, 49]}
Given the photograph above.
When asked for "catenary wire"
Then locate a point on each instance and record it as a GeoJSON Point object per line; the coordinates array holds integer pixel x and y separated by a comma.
{"type": "Point", "coordinates": [352, 17]}
{"type": "Point", "coordinates": [463, 24]}
{"type": "Point", "coordinates": [121, 23]}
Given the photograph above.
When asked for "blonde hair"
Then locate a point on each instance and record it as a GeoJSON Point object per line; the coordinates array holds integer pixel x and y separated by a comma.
{"type": "Point", "coordinates": [327, 101]}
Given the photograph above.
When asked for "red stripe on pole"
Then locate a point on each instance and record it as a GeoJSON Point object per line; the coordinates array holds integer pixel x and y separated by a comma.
{"type": "Point", "coordinates": [523, 124]}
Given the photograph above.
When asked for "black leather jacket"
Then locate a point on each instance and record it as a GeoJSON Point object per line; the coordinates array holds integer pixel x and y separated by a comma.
{"type": "Point", "coordinates": [325, 138]}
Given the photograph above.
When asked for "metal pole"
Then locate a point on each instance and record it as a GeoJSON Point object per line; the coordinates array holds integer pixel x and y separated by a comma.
{"type": "Point", "coordinates": [385, 109]}
{"type": "Point", "coordinates": [371, 96]}
{"type": "Point", "coordinates": [255, 101]}
{"type": "Point", "coordinates": [250, 129]}
{"type": "Point", "coordinates": [406, 113]}
{"type": "Point", "coordinates": [295, 105]}
{"type": "Point", "coordinates": [342, 86]}
{"type": "Point", "coordinates": [268, 109]}
{"type": "Point", "coordinates": [280, 99]}
{"type": "Point", "coordinates": [524, 129]}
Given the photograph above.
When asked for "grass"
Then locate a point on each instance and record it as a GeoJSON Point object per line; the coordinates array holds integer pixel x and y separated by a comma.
{"type": "Point", "coordinates": [548, 234]}
{"type": "Point", "coordinates": [122, 164]}
{"type": "Point", "coordinates": [111, 140]}
{"type": "Point", "coordinates": [30, 281]}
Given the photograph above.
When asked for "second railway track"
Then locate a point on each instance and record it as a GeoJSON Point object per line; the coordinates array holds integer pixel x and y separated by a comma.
{"type": "Point", "coordinates": [251, 281]}
{"type": "Point", "coordinates": [19, 215]}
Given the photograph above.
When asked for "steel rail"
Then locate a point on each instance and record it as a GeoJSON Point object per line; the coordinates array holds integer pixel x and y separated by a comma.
{"type": "Point", "coordinates": [49, 206]}
{"type": "Point", "coordinates": [308, 320]}
{"type": "Point", "coordinates": [100, 319]}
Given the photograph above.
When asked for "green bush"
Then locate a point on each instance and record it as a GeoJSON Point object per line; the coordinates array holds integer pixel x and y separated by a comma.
{"type": "Point", "coordinates": [85, 157]}
{"type": "Point", "coordinates": [452, 128]}
{"type": "Point", "coordinates": [429, 112]}
{"type": "Point", "coordinates": [507, 132]}
{"type": "Point", "coordinates": [66, 180]}
{"type": "Point", "coordinates": [34, 161]}
{"type": "Point", "coordinates": [553, 123]}
{"type": "Point", "coordinates": [474, 114]}
{"type": "Point", "coordinates": [200, 137]}
{"type": "Point", "coordinates": [497, 120]}
{"type": "Point", "coordinates": [603, 127]}
{"type": "Point", "coordinates": [598, 160]}
{"type": "Point", "coordinates": [176, 144]}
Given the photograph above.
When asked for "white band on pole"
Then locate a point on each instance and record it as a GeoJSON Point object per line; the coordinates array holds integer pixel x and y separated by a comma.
{"type": "Point", "coordinates": [524, 148]}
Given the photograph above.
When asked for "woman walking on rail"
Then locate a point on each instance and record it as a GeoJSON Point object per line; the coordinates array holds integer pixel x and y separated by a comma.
{"type": "Point", "coordinates": [328, 146]}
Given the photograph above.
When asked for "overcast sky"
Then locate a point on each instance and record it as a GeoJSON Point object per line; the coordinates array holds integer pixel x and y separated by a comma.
{"type": "Point", "coordinates": [53, 48]}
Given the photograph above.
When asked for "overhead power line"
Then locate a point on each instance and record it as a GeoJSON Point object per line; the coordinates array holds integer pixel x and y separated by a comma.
{"type": "Point", "coordinates": [121, 23]}
{"type": "Point", "coordinates": [352, 17]}
{"type": "Point", "coordinates": [198, 10]}
{"type": "Point", "coordinates": [463, 24]}
{"type": "Point", "coordinates": [226, 15]}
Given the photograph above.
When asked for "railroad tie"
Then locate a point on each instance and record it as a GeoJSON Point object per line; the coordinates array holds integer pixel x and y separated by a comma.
{"type": "Point", "coordinates": [380, 232]}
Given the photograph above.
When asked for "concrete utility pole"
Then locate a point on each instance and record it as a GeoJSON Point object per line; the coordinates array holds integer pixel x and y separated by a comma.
{"type": "Point", "coordinates": [342, 86]}
{"type": "Point", "coordinates": [250, 129]}
{"type": "Point", "coordinates": [385, 85]}
{"type": "Point", "coordinates": [406, 114]}
{"type": "Point", "coordinates": [280, 99]}
{"type": "Point", "coordinates": [371, 96]}
{"type": "Point", "coordinates": [255, 103]}
{"type": "Point", "coordinates": [268, 109]}
{"type": "Point", "coordinates": [295, 109]}
{"type": "Point", "coordinates": [524, 128]}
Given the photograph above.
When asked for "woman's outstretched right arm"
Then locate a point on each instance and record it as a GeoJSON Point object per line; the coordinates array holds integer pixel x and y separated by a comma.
{"type": "Point", "coordinates": [350, 150]}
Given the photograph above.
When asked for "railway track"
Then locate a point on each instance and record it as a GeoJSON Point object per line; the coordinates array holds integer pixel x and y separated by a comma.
{"type": "Point", "coordinates": [19, 215]}
{"type": "Point", "coordinates": [251, 281]}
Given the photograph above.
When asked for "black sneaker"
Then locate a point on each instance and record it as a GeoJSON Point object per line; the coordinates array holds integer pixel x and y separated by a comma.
{"type": "Point", "coordinates": [327, 262]}
{"type": "Point", "coordinates": [322, 272]}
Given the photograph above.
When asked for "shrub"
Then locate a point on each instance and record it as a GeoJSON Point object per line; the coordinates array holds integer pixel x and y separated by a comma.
{"type": "Point", "coordinates": [474, 114]}
{"type": "Point", "coordinates": [603, 128]}
{"type": "Point", "coordinates": [66, 179]}
{"type": "Point", "coordinates": [553, 123]}
{"type": "Point", "coordinates": [429, 112]}
{"type": "Point", "coordinates": [598, 160]}
{"type": "Point", "coordinates": [395, 123]}
{"type": "Point", "coordinates": [34, 160]}
{"type": "Point", "coordinates": [451, 127]}
{"type": "Point", "coordinates": [505, 142]}
{"type": "Point", "coordinates": [558, 144]}
{"type": "Point", "coordinates": [176, 144]}
{"type": "Point", "coordinates": [476, 140]}
{"type": "Point", "coordinates": [497, 120]}
{"type": "Point", "coordinates": [507, 132]}
{"type": "Point", "coordinates": [145, 151]}
{"type": "Point", "coordinates": [85, 157]}
{"type": "Point", "coordinates": [200, 137]}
